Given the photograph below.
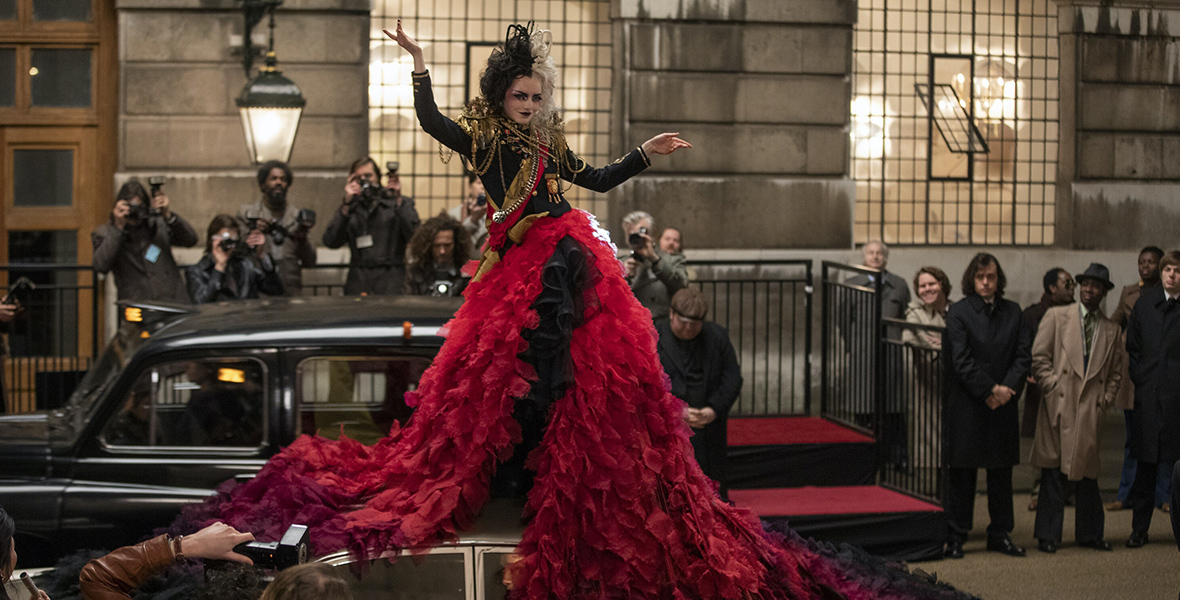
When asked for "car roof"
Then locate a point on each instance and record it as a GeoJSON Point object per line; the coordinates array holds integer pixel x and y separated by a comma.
{"type": "Point", "coordinates": [318, 320]}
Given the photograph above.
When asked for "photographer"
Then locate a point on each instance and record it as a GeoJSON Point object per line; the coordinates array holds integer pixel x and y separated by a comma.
{"type": "Point", "coordinates": [285, 227]}
{"type": "Point", "coordinates": [377, 224]}
{"type": "Point", "coordinates": [136, 245]}
{"type": "Point", "coordinates": [231, 270]}
{"type": "Point", "coordinates": [653, 275]}
{"type": "Point", "coordinates": [437, 253]}
{"type": "Point", "coordinates": [473, 214]}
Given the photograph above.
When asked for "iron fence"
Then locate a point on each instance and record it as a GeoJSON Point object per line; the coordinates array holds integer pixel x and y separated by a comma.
{"type": "Point", "coordinates": [849, 346]}
{"type": "Point", "coordinates": [766, 306]}
{"type": "Point", "coordinates": [889, 386]}
{"type": "Point", "coordinates": [53, 338]}
{"type": "Point", "coordinates": [913, 384]}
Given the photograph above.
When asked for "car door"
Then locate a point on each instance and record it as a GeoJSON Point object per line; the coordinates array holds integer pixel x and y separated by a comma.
{"type": "Point", "coordinates": [176, 429]}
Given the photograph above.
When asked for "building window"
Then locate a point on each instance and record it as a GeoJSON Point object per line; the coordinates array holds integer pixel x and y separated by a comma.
{"type": "Point", "coordinates": [954, 121]}
{"type": "Point", "coordinates": [456, 38]}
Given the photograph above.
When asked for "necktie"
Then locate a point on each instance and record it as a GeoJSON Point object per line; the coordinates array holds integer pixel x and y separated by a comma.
{"type": "Point", "coordinates": [1090, 324]}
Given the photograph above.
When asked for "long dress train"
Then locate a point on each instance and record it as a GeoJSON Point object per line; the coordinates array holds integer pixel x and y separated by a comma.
{"type": "Point", "coordinates": [619, 508]}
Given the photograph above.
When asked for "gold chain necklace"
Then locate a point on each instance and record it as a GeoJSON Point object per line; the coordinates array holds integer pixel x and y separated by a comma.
{"type": "Point", "coordinates": [502, 215]}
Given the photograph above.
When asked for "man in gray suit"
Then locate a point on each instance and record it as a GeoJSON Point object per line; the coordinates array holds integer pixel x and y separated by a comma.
{"type": "Point", "coordinates": [895, 297]}
{"type": "Point", "coordinates": [653, 275]}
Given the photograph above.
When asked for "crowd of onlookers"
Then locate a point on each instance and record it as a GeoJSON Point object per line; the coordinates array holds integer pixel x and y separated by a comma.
{"type": "Point", "coordinates": [1072, 362]}
{"type": "Point", "coordinates": [263, 249]}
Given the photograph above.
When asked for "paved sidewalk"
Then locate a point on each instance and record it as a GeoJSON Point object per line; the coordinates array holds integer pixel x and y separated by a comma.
{"type": "Point", "coordinates": [1148, 573]}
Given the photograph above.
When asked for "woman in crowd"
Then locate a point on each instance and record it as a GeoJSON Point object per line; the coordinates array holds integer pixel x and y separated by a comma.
{"type": "Point", "coordinates": [932, 288]}
{"type": "Point", "coordinates": [437, 254]}
{"type": "Point", "coordinates": [8, 559]}
{"type": "Point", "coordinates": [230, 270]}
{"type": "Point", "coordinates": [549, 365]}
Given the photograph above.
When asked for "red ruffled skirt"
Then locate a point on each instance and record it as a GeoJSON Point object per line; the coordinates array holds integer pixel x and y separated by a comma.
{"type": "Point", "coordinates": [619, 508]}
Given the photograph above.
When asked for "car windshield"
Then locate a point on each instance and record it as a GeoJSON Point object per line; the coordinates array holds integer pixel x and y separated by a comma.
{"type": "Point", "coordinates": [112, 362]}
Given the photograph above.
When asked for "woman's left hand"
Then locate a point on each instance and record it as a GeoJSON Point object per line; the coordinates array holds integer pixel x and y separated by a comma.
{"type": "Point", "coordinates": [665, 143]}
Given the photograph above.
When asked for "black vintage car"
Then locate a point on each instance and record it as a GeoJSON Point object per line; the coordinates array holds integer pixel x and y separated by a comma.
{"type": "Point", "coordinates": [186, 398]}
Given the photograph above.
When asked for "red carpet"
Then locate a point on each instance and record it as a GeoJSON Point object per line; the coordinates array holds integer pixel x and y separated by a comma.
{"type": "Point", "coordinates": [842, 500]}
{"type": "Point", "coordinates": [791, 430]}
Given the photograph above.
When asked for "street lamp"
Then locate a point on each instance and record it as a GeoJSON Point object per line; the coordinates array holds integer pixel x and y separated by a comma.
{"type": "Point", "coordinates": [270, 104]}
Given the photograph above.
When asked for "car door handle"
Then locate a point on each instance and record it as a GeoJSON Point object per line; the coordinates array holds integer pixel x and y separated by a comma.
{"type": "Point", "coordinates": [244, 477]}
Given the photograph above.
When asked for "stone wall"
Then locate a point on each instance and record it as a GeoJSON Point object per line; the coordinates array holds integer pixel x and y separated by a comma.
{"type": "Point", "coordinates": [762, 90]}
{"type": "Point", "coordinates": [179, 76]}
{"type": "Point", "coordinates": [1120, 152]}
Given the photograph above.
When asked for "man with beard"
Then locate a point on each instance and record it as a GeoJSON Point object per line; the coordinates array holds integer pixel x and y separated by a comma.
{"type": "Point", "coordinates": [377, 224]}
{"type": "Point", "coordinates": [287, 242]}
{"type": "Point", "coordinates": [136, 246]}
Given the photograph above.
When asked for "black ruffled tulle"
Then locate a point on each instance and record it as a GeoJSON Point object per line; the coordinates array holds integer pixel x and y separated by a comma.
{"type": "Point", "coordinates": [567, 300]}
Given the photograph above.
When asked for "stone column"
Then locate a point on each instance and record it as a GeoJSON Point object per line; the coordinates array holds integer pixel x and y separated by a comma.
{"type": "Point", "coordinates": [180, 74]}
{"type": "Point", "coordinates": [762, 90]}
{"type": "Point", "coordinates": [1119, 165]}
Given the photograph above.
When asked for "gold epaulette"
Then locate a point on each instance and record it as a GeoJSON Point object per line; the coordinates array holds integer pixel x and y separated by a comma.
{"type": "Point", "coordinates": [478, 122]}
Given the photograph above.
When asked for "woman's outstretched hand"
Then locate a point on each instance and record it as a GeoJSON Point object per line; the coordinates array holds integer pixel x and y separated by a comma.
{"type": "Point", "coordinates": [410, 45]}
{"type": "Point", "coordinates": [665, 143]}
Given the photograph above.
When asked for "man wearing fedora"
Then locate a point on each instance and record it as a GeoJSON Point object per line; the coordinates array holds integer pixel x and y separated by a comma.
{"type": "Point", "coordinates": [1077, 361]}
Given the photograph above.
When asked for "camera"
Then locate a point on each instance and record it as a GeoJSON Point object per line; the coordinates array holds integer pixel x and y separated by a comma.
{"type": "Point", "coordinates": [441, 287]}
{"type": "Point", "coordinates": [392, 166]}
{"type": "Point", "coordinates": [636, 239]}
{"type": "Point", "coordinates": [228, 244]}
{"type": "Point", "coordinates": [289, 551]}
{"type": "Point", "coordinates": [18, 291]}
{"type": "Point", "coordinates": [481, 199]}
{"type": "Point", "coordinates": [137, 211]}
{"type": "Point", "coordinates": [277, 231]}
{"type": "Point", "coordinates": [156, 182]}
{"type": "Point", "coordinates": [370, 192]}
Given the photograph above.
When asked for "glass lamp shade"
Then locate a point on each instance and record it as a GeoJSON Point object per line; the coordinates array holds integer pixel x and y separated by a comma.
{"type": "Point", "coordinates": [271, 106]}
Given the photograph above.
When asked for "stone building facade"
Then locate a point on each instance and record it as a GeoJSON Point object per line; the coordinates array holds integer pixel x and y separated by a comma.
{"type": "Point", "coordinates": [180, 70]}
{"type": "Point", "coordinates": [762, 87]}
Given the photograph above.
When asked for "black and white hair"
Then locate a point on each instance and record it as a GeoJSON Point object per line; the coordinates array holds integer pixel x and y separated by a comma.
{"type": "Point", "coordinates": [525, 52]}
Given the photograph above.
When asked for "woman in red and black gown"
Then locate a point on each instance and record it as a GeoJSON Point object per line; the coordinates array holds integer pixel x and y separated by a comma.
{"type": "Point", "coordinates": [549, 382]}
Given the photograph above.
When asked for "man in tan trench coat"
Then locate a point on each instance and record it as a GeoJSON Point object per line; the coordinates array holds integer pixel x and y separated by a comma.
{"type": "Point", "coordinates": [1077, 360]}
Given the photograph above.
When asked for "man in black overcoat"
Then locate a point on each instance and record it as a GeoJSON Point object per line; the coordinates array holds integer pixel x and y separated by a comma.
{"type": "Point", "coordinates": [702, 365]}
{"type": "Point", "coordinates": [1153, 353]}
{"type": "Point", "coordinates": [986, 353]}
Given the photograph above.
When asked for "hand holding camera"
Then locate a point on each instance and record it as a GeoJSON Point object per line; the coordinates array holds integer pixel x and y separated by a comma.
{"type": "Point", "coordinates": [641, 246]}
{"type": "Point", "coordinates": [256, 241]}
{"type": "Point", "coordinates": [217, 542]}
{"type": "Point", "coordinates": [120, 213]}
{"type": "Point", "coordinates": [159, 198]}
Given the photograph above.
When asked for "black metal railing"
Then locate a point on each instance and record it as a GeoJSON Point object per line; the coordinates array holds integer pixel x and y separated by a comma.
{"type": "Point", "coordinates": [883, 376]}
{"type": "Point", "coordinates": [766, 306]}
{"type": "Point", "coordinates": [54, 337]}
{"type": "Point", "coordinates": [849, 346]}
{"type": "Point", "coordinates": [911, 448]}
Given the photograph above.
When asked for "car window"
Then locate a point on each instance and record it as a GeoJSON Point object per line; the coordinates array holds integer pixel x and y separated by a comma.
{"type": "Point", "coordinates": [363, 396]}
{"type": "Point", "coordinates": [441, 574]}
{"type": "Point", "coordinates": [493, 566]}
{"type": "Point", "coordinates": [202, 402]}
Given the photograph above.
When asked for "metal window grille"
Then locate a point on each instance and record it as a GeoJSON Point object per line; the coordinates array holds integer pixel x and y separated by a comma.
{"type": "Point", "coordinates": [456, 38]}
{"type": "Point", "coordinates": [1000, 59]}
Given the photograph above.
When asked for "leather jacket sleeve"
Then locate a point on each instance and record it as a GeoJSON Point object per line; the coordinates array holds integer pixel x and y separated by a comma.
{"type": "Point", "coordinates": [116, 575]}
{"type": "Point", "coordinates": [180, 233]}
{"type": "Point", "coordinates": [107, 240]}
{"type": "Point", "coordinates": [204, 281]}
